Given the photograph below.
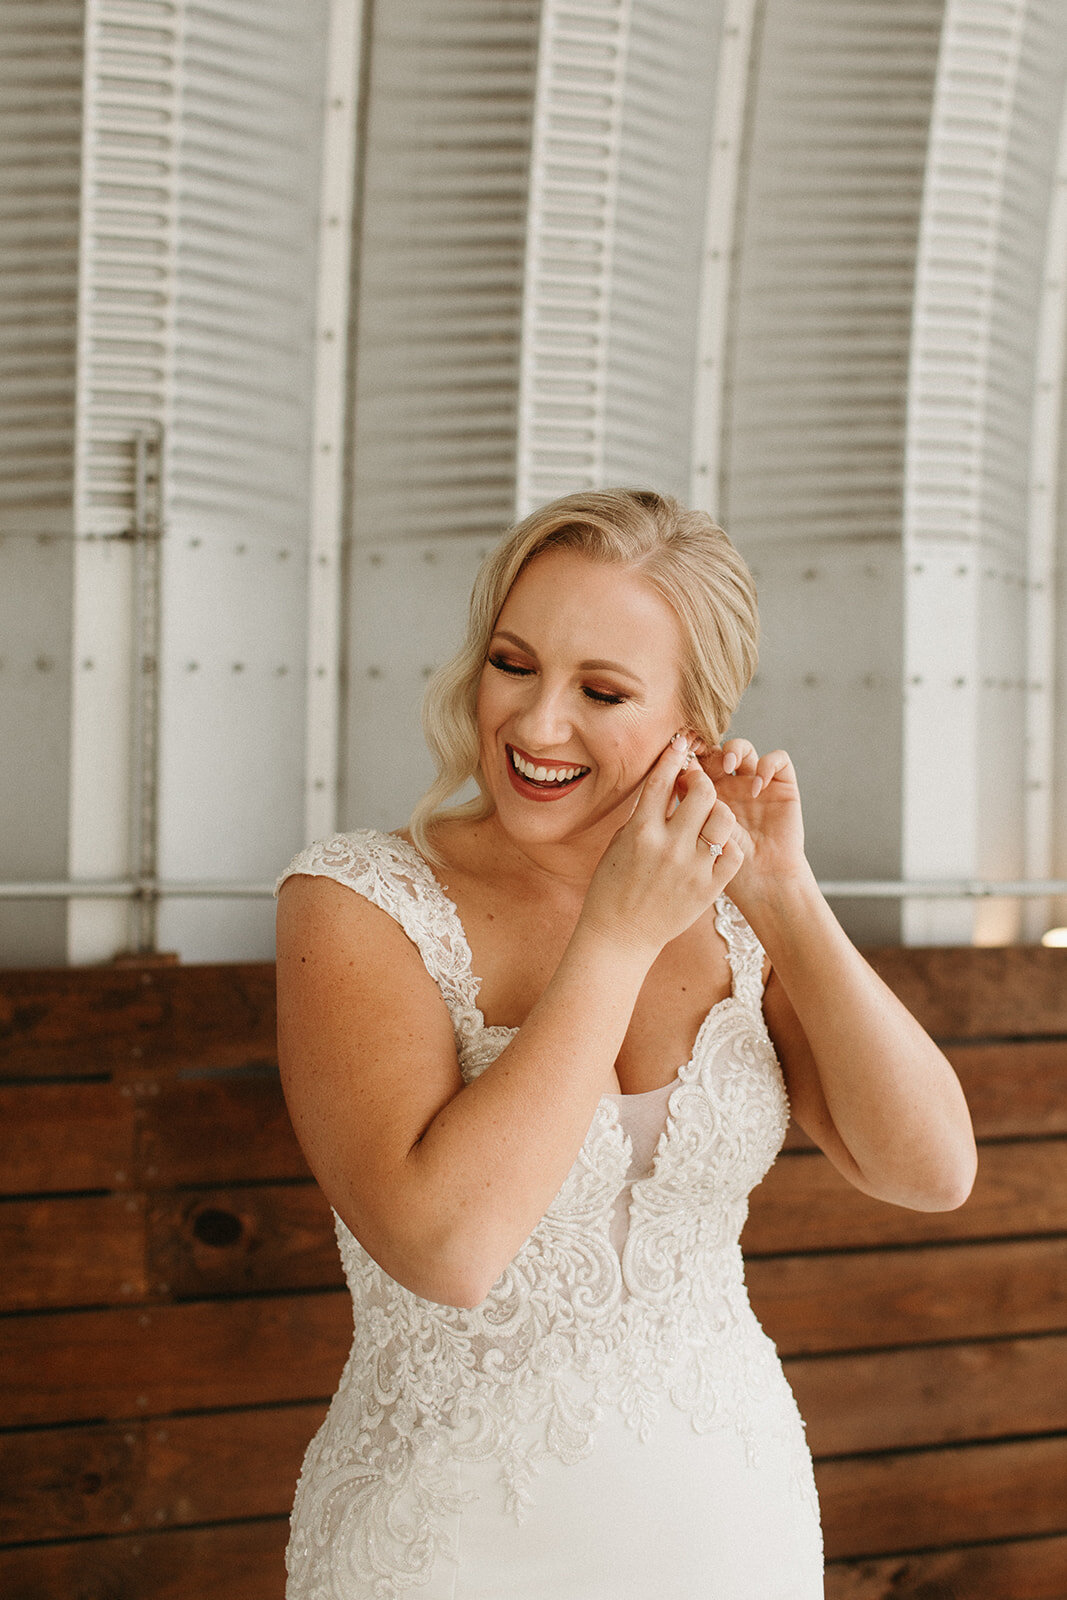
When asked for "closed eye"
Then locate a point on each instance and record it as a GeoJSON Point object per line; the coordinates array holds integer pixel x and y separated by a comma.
{"type": "Point", "coordinates": [603, 698]}
{"type": "Point", "coordinates": [510, 667]}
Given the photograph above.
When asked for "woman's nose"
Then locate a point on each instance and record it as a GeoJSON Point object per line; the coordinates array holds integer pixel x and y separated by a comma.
{"type": "Point", "coordinates": [543, 721]}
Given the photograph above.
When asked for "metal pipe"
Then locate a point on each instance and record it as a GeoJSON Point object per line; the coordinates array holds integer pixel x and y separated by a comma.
{"type": "Point", "coordinates": [844, 889]}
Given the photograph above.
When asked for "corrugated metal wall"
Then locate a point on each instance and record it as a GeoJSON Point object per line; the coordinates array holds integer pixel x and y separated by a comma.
{"type": "Point", "coordinates": [40, 157]}
{"type": "Point", "coordinates": [784, 256]}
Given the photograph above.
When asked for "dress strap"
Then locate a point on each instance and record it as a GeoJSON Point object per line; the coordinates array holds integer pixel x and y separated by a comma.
{"type": "Point", "coordinates": [391, 874]}
{"type": "Point", "coordinates": [744, 952]}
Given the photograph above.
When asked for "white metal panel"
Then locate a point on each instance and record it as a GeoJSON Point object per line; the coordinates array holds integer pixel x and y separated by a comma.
{"type": "Point", "coordinates": [40, 152]}
{"type": "Point", "coordinates": [199, 243]}
{"type": "Point", "coordinates": [822, 311]}
{"type": "Point", "coordinates": [734, 78]}
{"type": "Point", "coordinates": [828, 690]}
{"type": "Point", "coordinates": [618, 185]}
{"type": "Point", "coordinates": [1046, 704]}
{"type": "Point", "coordinates": [409, 611]}
{"type": "Point", "coordinates": [993, 149]}
{"type": "Point", "coordinates": [813, 445]}
{"type": "Point", "coordinates": [326, 509]}
{"type": "Point", "coordinates": [442, 228]}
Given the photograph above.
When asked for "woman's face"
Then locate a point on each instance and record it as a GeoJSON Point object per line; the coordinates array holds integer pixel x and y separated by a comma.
{"type": "Point", "coordinates": [578, 697]}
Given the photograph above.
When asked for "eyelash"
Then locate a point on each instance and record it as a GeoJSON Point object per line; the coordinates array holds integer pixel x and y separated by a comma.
{"type": "Point", "coordinates": [597, 696]}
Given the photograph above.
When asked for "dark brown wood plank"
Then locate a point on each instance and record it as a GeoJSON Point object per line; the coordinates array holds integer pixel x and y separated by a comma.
{"type": "Point", "coordinates": [1024, 1569]}
{"type": "Point", "coordinates": [921, 1294]}
{"type": "Point", "coordinates": [242, 1561]}
{"type": "Point", "coordinates": [234, 1131]}
{"type": "Point", "coordinates": [239, 1240]}
{"type": "Point", "coordinates": [892, 1399]}
{"type": "Point", "coordinates": [1014, 1089]}
{"type": "Point", "coordinates": [229, 1465]}
{"type": "Point", "coordinates": [1006, 992]}
{"type": "Point", "coordinates": [91, 1020]}
{"type": "Point", "coordinates": [58, 1483]}
{"type": "Point", "coordinates": [62, 1483]}
{"type": "Point", "coordinates": [56, 1136]}
{"type": "Point", "coordinates": [873, 1505]}
{"type": "Point", "coordinates": [805, 1204]}
{"type": "Point", "coordinates": [72, 1252]}
{"type": "Point", "coordinates": [101, 1365]}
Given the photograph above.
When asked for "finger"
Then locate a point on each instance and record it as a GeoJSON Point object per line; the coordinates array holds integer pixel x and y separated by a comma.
{"type": "Point", "coordinates": [770, 766]}
{"type": "Point", "coordinates": [738, 756]}
{"type": "Point", "coordinates": [662, 776]}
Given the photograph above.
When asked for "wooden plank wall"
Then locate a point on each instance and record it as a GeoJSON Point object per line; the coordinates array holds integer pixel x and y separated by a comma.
{"type": "Point", "coordinates": [173, 1320]}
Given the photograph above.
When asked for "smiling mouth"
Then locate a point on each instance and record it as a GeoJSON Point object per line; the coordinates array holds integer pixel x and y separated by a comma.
{"type": "Point", "coordinates": [554, 778]}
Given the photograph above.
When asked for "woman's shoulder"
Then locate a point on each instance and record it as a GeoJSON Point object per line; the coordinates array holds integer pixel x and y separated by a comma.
{"type": "Point", "coordinates": [360, 858]}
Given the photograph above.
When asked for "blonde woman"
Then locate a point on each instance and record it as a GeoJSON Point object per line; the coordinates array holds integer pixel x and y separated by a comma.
{"type": "Point", "coordinates": [538, 1050]}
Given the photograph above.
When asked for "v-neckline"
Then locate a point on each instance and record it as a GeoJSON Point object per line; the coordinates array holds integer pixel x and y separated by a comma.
{"type": "Point", "coordinates": [474, 983]}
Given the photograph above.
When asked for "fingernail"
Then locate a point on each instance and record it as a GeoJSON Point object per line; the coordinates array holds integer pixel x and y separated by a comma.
{"type": "Point", "coordinates": [680, 743]}
{"type": "Point", "coordinates": [757, 785]}
{"type": "Point", "coordinates": [729, 762]}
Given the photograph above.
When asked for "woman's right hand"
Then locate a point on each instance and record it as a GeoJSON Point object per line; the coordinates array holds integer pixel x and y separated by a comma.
{"type": "Point", "coordinates": [658, 876]}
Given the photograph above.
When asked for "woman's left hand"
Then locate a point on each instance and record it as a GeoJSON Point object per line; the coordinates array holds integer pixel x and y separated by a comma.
{"type": "Point", "coordinates": [763, 794]}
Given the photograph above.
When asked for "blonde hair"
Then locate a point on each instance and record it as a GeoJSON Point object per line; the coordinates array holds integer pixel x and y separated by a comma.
{"type": "Point", "coordinates": [683, 554]}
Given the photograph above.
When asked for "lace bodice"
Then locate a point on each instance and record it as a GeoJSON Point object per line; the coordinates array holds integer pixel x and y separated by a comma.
{"type": "Point", "coordinates": [587, 1315]}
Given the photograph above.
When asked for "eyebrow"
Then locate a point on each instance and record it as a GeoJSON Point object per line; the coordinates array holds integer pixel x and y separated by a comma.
{"type": "Point", "coordinates": [584, 666]}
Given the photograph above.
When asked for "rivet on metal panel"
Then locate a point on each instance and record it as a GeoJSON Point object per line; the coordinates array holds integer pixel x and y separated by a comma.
{"type": "Point", "coordinates": [338, 103]}
{"type": "Point", "coordinates": [192, 666]}
{"type": "Point", "coordinates": [810, 574]}
{"type": "Point", "coordinates": [959, 683]}
{"type": "Point", "coordinates": [374, 672]}
{"type": "Point", "coordinates": [241, 549]}
{"type": "Point", "coordinates": [126, 1288]}
{"type": "Point", "coordinates": [325, 447]}
{"type": "Point", "coordinates": [238, 666]}
{"type": "Point", "coordinates": [870, 680]}
{"type": "Point", "coordinates": [87, 665]}
{"type": "Point", "coordinates": [427, 672]}
{"type": "Point", "coordinates": [320, 784]}
{"type": "Point", "coordinates": [328, 334]}
{"type": "Point", "coordinates": [376, 558]}
{"type": "Point", "coordinates": [194, 544]}
{"type": "Point", "coordinates": [120, 1177]}
{"type": "Point", "coordinates": [962, 571]}
{"type": "Point", "coordinates": [162, 1435]}
{"type": "Point", "coordinates": [918, 566]}
{"type": "Point", "coordinates": [324, 560]}
{"type": "Point", "coordinates": [810, 680]}
{"type": "Point", "coordinates": [44, 663]}
{"type": "Point", "coordinates": [320, 672]}
{"type": "Point", "coordinates": [871, 571]}
{"type": "Point", "coordinates": [282, 671]}
{"type": "Point", "coordinates": [161, 1515]}
{"type": "Point", "coordinates": [283, 555]}
{"type": "Point", "coordinates": [916, 678]}
{"type": "Point", "coordinates": [429, 555]}
{"type": "Point", "coordinates": [333, 222]}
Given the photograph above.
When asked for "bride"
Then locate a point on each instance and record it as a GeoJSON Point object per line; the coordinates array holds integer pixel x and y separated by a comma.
{"type": "Point", "coordinates": [538, 1050]}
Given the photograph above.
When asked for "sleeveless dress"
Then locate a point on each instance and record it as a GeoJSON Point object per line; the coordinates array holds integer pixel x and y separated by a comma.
{"type": "Point", "coordinates": [611, 1422]}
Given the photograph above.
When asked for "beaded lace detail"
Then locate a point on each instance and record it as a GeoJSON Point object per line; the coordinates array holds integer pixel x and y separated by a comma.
{"type": "Point", "coordinates": [572, 1325]}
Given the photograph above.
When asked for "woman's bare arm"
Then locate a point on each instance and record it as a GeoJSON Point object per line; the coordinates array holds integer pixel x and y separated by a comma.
{"type": "Point", "coordinates": [865, 1080]}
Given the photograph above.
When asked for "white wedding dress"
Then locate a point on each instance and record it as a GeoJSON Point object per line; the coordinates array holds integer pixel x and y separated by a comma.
{"type": "Point", "coordinates": [611, 1423]}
